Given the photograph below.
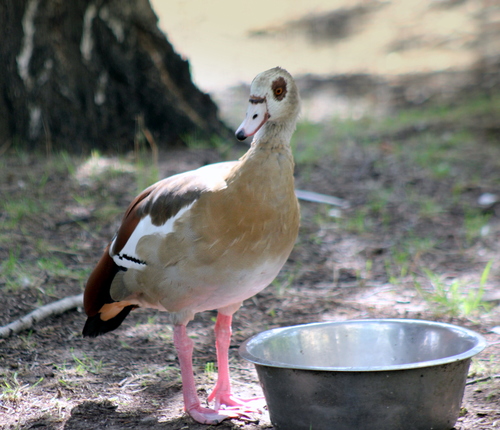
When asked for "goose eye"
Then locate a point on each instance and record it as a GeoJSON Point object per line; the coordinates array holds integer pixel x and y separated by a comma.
{"type": "Point", "coordinates": [279, 88]}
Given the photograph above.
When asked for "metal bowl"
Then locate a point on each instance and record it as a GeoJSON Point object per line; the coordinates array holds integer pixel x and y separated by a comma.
{"type": "Point", "coordinates": [379, 374]}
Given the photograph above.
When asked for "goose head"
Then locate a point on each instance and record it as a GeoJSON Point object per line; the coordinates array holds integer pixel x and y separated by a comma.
{"type": "Point", "coordinates": [274, 103]}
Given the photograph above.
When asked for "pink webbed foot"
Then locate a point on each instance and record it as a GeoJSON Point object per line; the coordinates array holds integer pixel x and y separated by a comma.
{"type": "Point", "coordinates": [210, 416]}
{"type": "Point", "coordinates": [244, 409]}
{"type": "Point", "coordinates": [231, 402]}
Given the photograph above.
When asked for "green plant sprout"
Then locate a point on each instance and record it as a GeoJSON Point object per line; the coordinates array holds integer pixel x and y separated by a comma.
{"type": "Point", "coordinates": [457, 298]}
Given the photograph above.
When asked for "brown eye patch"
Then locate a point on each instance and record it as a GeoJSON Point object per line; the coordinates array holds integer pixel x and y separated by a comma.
{"type": "Point", "coordinates": [279, 88]}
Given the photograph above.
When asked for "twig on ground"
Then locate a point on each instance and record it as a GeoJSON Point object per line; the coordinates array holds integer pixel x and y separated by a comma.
{"type": "Point", "coordinates": [311, 196]}
{"type": "Point", "coordinates": [41, 313]}
{"type": "Point", "coordinates": [484, 378]}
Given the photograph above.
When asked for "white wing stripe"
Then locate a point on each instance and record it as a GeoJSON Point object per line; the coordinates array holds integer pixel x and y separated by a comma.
{"type": "Point", "coordinates": [127, 258]}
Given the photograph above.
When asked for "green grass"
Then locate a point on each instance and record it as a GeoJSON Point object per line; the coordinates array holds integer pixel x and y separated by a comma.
{"type": "Point", "coordinates": [28, 340]}
{"type": "Point", "coordinates": [63, 164]}
{"type": "Point", "coordinates": [86, 364]}
{"type": "Point", "coordinates": [17, 211]}
{"type": "Point", "coordinates": [306, 144]}
{"type": "Point", "coordinates": [429, 207]}
{"type": "Point", "coordinates": [57, 268]}
{"type": "Point", "coordinates": [356, 222]}
{"type": "Point", "coordinates": [285, 280]}
{"type": "Point", "coordinates": [210, 369]}
{"type": "Point", "coordinates": [483, 367]}
{"type": "Point", "coordinates": [14, 273]}
{"type": "Point", "coordinates": [147, 172]}
{"type": "Point", "coordinates": [12, 390]}
{"type": "Point", "coordinates": [430, 114]}
{"type": "Point", "coordinates": [455, 298]}
{"type": "Point", "coordinates": [474, 222]}
{"type": "Point", "coordinates": [17, 273]}
{"type": "Point", "coordinates": [223, 146]}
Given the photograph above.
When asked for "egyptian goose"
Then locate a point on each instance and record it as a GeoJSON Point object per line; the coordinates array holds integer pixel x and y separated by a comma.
{"type": "Point", "coordinates": [207, 239]}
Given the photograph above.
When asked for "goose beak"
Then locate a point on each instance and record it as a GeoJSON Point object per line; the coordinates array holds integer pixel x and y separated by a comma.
{"type": "Point", "coordinates": [256, 117]}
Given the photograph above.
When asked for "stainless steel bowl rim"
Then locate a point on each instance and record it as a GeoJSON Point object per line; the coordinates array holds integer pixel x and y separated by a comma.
{"type": "Point", "coordinates": [479, 346]}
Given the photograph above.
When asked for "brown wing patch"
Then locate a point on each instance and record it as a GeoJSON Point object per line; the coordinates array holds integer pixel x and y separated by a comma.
{"type": "Point", "coordinates": [166, 198]}
{"type": "Point", "coordinates": [165, 203]}
{"type": "Point", "coordinates": [161, 201]}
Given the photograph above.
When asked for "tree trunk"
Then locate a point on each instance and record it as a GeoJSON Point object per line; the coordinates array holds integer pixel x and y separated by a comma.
{"type": "Point", "coordinates": [78, 74]}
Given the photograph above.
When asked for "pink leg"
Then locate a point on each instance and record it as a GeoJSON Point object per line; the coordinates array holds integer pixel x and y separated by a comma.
{"type": "Point", "coordinates": [184, 346]}
{"type": "Point", "coordinates": [222, 391]}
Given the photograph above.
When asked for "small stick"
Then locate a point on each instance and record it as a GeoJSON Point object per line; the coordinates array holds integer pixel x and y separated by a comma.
{"type": "Point", "coordinates": [311, 196]}
{"type": "Point", "coordinates": [41, 313]}
{"type": "Point", "coordinates": [484, 378]}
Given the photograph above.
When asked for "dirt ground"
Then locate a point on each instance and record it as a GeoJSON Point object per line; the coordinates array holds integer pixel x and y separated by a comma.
{"type": "Point", "coordinates": [57, 215]}
{"type": "Point", "coordinates": [52, 378]}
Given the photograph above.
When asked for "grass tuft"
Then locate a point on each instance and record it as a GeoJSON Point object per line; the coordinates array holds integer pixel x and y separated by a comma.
{"type": "Point", "coordinates": [12, 390]}
{"type": "Point", "coordinates": [456, 298]}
